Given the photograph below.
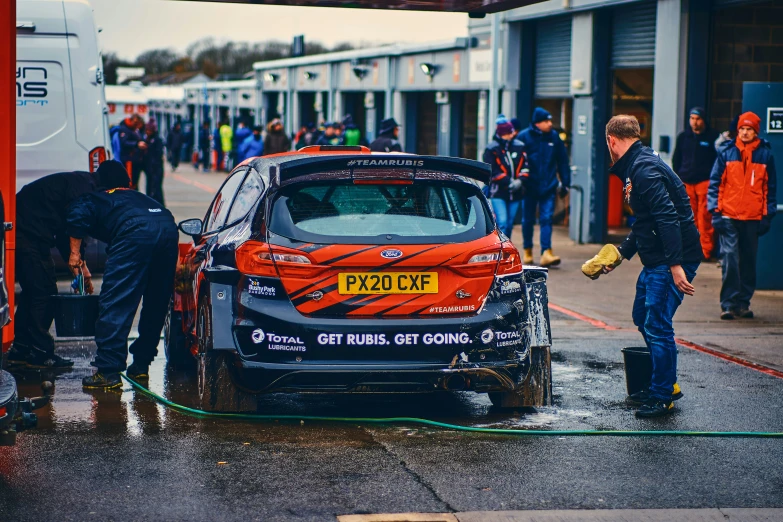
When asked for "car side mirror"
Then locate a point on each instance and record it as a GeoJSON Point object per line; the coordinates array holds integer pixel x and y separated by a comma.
{"type": "Point", "coordinates": [191, 227]}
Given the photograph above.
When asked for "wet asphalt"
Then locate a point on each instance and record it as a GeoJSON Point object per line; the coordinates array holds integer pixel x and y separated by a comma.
{"type": "Point", "coordinates": [121, 456]}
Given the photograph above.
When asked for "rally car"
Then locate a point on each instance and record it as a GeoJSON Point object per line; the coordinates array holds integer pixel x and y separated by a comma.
{"type": "Point", "coordinates": [334, 269]}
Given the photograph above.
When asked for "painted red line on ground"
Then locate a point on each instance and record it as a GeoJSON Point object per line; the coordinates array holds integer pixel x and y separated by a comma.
{"type": "Point", "coordinates": [682, 342]}
{"type": "Point", "coordinates": [577, 315]}
{"type": "Point", "coordinates": [197, 184]}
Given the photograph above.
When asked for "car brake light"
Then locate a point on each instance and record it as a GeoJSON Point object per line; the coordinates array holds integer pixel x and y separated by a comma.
{"type": "Point", "coordinates": [481, 263]}
{"type": "Point", "coordinates": [96, 157]}
{"type": "Point", "coordinates": [510, 262]}
{"type": "Point", "coordinates": [3, 412]}
{"type": "Point", "coordinates": [255, 258]}
{"type": "Point", "coordinates": [383, 182]}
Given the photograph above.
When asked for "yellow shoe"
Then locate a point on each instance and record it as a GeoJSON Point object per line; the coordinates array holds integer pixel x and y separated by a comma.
{"type": "Point", "coordinates": [676, 392]}
{"type": "Point", "coordinates": [527, 257]}
{"type": "Point", "coordinates": [608, 256]}
{"type": "Point", "coordinates": [548, 258]}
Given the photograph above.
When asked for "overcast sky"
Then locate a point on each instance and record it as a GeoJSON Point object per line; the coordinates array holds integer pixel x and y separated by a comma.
{"type": "Point", "coordinates": [133, 26]}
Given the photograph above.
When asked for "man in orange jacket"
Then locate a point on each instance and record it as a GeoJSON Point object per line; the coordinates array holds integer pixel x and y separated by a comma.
{"type": "Point", "coordinates": [742, 199]}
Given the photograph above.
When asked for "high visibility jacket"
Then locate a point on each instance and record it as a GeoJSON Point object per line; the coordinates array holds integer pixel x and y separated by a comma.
{"type": "Point", "coordinates": [743, 182]}
{"type": "Point", "coordinates": [226, 138]}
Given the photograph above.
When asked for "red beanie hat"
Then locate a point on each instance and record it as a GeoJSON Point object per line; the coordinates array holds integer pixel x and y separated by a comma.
{"type": "Point", "coordinates": [749, 119]}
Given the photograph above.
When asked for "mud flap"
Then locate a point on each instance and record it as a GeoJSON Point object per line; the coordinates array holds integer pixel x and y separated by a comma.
{"type": "Point", "coordinates": [222, 288]}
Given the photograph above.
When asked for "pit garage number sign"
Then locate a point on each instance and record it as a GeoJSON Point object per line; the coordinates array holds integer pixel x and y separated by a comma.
{"type": "Point", "coordinates": [775, 119]}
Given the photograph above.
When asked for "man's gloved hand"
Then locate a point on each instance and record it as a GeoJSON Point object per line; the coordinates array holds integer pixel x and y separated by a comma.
{"type": "Point", "coordinates": [718, 222]}
{"type": "Point", "coordinates": [562, 190]}
{"type": "Point", "coordinates": [515, 185]}
{"type": "Point", "coordinates": [765, 224]}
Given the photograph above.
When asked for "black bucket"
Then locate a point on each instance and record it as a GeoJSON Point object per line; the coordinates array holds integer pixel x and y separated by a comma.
{"type": "Point", "coordinates": [75, 315]}
{"type": "Point", "coordinates": [638, 368]}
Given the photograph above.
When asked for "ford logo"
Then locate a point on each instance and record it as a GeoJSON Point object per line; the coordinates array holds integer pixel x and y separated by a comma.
{"type": "Point", "coordinates": [391, 253]}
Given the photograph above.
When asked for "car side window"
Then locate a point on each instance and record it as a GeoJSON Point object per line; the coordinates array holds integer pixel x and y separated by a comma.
{"type": "Point", "coordinates": [222, 202]}
{"type": "Point", "coordinates": [246, 197]}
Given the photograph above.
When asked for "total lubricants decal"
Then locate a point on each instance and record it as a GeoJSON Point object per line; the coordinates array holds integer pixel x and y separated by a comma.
{"type": "Point", "coordinates": [284, 343]}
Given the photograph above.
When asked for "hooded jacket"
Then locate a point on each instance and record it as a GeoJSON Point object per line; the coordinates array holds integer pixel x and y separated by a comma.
{"type": "Point", "coordinates": [694, 155]}
{"type": "Point", "coordinates": [276, 141]}
{"type": "Point", "coordinates": [507, 161]}
{"type": "Point", "coordinates": [664, 232]}
{"type": "Point", "coordinates": [250, 148]}
{"type": "Point", "coordinates": [546, 157]}
{"type": "Point", "coordinates": [743, 182]}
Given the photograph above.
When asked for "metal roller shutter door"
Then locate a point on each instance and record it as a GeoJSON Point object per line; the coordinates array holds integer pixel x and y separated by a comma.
{"type": "Point", "coordinates": [553, 58]}
{"type": "Point", "coordinates": [633, 36]}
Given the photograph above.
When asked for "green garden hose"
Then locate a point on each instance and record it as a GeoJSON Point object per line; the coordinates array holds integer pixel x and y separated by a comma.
{"type": "Point", "coordinates": [454, 427]}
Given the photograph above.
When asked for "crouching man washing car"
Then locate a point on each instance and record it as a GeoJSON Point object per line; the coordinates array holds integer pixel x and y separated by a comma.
{"type": "Point", "coordinates": [666, 238]}
{"type": "Point", "coordinates": [142, 256]}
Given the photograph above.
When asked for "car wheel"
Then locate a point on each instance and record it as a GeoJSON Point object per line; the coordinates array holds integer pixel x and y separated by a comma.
{"type": "Point", "coordinates": [217, 390]}
{"type": "Point", "coordinates": [535, 390]}
{"type": "Point", "coordinates": [174, 342]}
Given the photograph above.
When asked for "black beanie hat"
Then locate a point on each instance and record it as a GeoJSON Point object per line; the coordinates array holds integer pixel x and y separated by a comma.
{"type": "Point", "coordinates": [111, 174]}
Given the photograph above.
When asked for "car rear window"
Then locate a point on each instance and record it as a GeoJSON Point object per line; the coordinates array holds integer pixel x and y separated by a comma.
{"type": "Point", "coordinates": [344, 212]}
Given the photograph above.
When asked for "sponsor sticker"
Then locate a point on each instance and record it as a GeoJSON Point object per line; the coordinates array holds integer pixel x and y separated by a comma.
{"type": "Point", "coordinates": [487, 336]}
{"type": "Point", "coordinates": [452, 309]}
{"type": "Point", "coordinates": [254, 287]}
{"type": "Point", "coordinates": [510, 287]}
{"type": "Point", "coordinates": [258, 336]}
{"type": "Point", "coordinates": [385, 163]}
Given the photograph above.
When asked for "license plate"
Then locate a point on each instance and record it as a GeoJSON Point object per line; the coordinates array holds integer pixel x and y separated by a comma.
{"type": "Point", "coordinates": [388, 283]}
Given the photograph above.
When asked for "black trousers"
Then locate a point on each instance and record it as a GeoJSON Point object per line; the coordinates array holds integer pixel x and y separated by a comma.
{"type": "Point", "coordinates": [140, 268]}
{"type": "Point", "coordinates": [739, 244]}
{"type": "Point", "coordinates": [34, 313]}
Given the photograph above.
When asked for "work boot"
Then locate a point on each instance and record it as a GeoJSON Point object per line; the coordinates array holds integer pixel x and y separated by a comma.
{"type": "Point", "coordinates": [726, 314]}
{"type": "Point", "coordinates": [138, 371]}
{"type": "Point", "coordinates": [43, 361]}
{"type": "Point", "coordinates": [17, 355]}
{"type": "Point", "coordinates": [744, 313]}
{"type": "Point", "coordinates": [548, 258]}
{"type": "Point", "coordinates": [527, 257]}
{"type": "Point", "coordinates": [655, 408]}
{"type": "Point", "coordinates": [102, 381]}
{"type": "Point", "coordinates": [643, 396]}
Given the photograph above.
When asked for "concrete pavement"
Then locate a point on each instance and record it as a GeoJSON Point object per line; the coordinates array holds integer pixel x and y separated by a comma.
{"type": "Point", "coordinates": [609, 299]}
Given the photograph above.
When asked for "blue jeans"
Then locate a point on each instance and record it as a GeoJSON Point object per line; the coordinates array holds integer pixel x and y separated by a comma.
{"type": "Point", "coordinates": [546, 208]}
{"type": "Point", "coordinates": [505, 212]}
{"type": "Point", "coordinates": [657, 299]}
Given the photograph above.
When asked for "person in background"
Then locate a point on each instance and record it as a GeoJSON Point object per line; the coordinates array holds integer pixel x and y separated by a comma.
{"type": "Point", "coordinates": [240, 135]}
{"type": "Point", "coordinates": [252, 146]}
{"type": "Point", "coordinates": [546, 158]}
{"type": "Point", "coordinates": [114, 136]}
{"type": "Point", "coordinates": [727, 137]}
{"type": "Point", "coordinates": [308, 137]}
{"type": "Point", "coordinates": [517, 126]}
{"type": "Point", "coordinates": [387, 140]}
{"type": "Point", "coordinates": [153, 161]}
{"type": "Point", "coordinates": [299, 137]}
{"type": "Point", "coordinates": [132, 147]}
{"type": "Point", "coordinates": [743, 200]}
{"type": "Point", "coordinates": [352, 135]}
{"type": "Point", "coordinates": [40, 225]}
{"type": "Point", "coordinates": [142, 252]}
{"type": "Point", "coordinates": [204, 146]}
{"type": "Point", "coordinates": [667, 241]}
{"type": "Point", "coordinates": [174, 143]}
{"type": "Point", "coordinates": [329, 136]}
{"type": "Point", "coordinates": [506, 157]}
{"type": "Point", "coordinates": [226, 146]}
{"type": "Point", "coordinates": [276, 140]}
{"type": "Point", "coordinates": [694, 156]}
{"type": "Point", "coordinates": [217, 146]}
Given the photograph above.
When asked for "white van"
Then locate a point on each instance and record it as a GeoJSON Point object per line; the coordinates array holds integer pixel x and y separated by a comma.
{"type": "Point", "coordinates": [60, 102]}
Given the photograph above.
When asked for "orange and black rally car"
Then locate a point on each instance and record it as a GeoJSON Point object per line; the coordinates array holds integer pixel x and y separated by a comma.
{"type": "Point", "coordinates": [334, 269]}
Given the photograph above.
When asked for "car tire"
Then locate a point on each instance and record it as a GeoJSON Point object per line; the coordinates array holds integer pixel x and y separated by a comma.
{"type": "Point", "coordinates": [174, 341]}
{"type": "Point", "coordinates": [535, 390]}
{"type": "Point", "coordinates": [217, 390]}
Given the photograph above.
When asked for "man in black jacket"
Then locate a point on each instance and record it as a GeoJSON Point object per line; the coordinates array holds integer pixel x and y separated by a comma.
{"type": "Point", "coordinates": [694, 156]}
{"type": "Point", "coordinates": [387, 137]}
{"type": "Point", "coordinates": [142, 246]}
{"type": "Point", "coordinates": [40, 226]}
{"type": "Point", "coordinates": [666, 238]}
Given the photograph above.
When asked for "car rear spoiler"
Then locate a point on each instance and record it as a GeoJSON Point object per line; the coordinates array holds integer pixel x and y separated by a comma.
{"type": "Point", "coordinates": [316, 165]}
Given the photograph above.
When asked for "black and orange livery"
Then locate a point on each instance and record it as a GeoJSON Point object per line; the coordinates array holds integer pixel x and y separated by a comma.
{"type": "Point", "coordinates": [336, 269]}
